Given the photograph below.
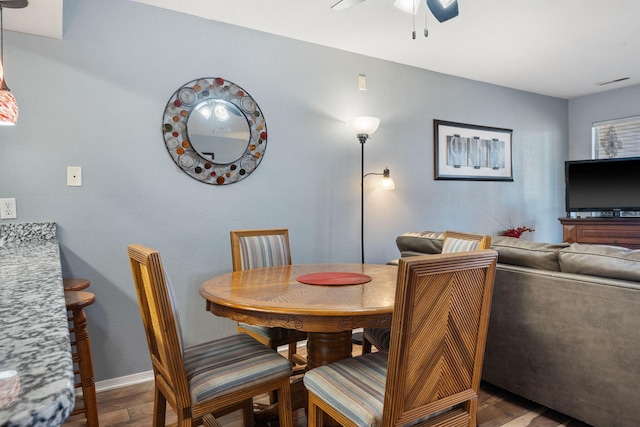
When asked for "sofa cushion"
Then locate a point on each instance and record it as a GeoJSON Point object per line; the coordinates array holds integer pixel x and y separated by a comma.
{"type": "Point", "coordinates": [602, 261]}
{"type": "Point", "coordinates": [514, 251]}
{"type": "Point", "coordinates": [420, 243]}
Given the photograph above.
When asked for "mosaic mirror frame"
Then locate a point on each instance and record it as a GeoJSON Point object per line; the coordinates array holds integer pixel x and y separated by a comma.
{"type": "Point", "coordinates": [178, 110]}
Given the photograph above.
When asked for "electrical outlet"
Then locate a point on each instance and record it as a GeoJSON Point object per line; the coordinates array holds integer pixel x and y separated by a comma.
{"type": "Point", "coordinates": [8, 208]}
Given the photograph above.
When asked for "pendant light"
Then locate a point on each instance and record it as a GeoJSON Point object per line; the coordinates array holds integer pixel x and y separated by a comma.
{"type": "Point", "coordinates": [8, 103]}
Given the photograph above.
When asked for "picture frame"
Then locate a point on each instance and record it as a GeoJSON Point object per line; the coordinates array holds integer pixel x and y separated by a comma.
{"type": "Point", "coordinates": [471, 152]}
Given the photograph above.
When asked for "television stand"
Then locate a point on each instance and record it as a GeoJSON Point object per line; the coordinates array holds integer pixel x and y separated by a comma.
{"type": "Point", "coordinates": [602, 231]}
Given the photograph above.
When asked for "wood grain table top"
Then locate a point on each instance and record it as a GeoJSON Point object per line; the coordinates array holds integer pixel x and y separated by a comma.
{"type": "Point", "coordinates": [273, 297]}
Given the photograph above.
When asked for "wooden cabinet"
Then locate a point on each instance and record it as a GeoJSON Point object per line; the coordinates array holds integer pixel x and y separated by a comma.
{"type": "Point", "coordinates": [602, 231]}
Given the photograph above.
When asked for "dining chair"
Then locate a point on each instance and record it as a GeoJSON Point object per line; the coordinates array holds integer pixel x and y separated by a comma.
{"type": "Point", "coordinates": [266, 248]}
{"type": "Point", "coordinates": [205, 380]}
{"type": "Point", "coordinates": [452, 241]}
{"type": "Point", "coordinates": [431, 373]}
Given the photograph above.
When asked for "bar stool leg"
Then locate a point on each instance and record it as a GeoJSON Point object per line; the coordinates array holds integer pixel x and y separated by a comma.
{"type": "Point", "coordinates": [81, 353]}
{"type": "Point", "coordinates": [86, 367]}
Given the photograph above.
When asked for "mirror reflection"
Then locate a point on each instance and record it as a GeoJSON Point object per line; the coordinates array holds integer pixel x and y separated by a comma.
{"type": "Point", "coordinates": [218, 130]}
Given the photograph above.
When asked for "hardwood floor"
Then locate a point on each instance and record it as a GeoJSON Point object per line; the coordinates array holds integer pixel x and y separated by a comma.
{"type": "Point", "coordinates": [133, 406]}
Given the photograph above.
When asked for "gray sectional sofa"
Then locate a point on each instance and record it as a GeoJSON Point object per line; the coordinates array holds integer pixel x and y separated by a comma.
{"type": "Point", "coordinates": [565, 325]}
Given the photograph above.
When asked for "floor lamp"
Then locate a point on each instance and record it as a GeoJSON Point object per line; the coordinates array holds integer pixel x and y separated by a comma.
{"type": "Point", "coordinates": [364, 127]}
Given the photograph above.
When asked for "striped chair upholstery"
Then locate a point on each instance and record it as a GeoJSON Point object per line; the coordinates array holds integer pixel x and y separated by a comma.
{"type": "Point", "coordinates": [230, 364]}
{"type": "Point", "coordinates": [174, 310]}
{"type": "Point", "coordinates": [456, 241]}
{"type": "Point", "coordinates": [452, 245]}
{"type": "Point", "coordinates": [264, 251]}
{"type": "Point", "coordinates": [354, 387]}
{"type": "Point", "coordinates": [258, 249]}
{"type": "Point", "coordinates": [205, 380]}
{"type": "Point", "coordinates": [431, 373]}
{"type": "Point", "coordinates": [453, 241]}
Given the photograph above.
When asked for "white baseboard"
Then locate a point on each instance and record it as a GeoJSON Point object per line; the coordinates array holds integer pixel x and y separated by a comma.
{"type": "Point", "coordinates": [124, 381]}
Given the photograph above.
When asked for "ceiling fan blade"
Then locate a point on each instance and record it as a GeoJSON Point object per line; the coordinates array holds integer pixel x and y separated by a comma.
{"type": "Point", "coordinates": [345, 4]}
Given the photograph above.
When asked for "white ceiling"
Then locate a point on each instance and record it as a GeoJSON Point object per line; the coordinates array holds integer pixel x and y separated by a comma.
{"type": "Point", "coordinates": [40, 17]}
{"type": "Point", "coordinates": [560, 48]}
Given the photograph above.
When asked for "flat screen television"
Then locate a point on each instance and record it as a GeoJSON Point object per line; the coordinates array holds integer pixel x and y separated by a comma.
{"type": "Point", "coordinates": [603, 185]}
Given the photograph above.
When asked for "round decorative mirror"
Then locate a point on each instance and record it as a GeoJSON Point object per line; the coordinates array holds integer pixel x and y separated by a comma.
{"type": "Point", "coordinates": [214, 131]}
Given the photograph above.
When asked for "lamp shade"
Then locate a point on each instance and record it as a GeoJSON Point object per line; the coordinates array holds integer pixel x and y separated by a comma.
{"type": "Point", "coordinates": [8, 106]}
{"type": "Point", "coordinates": [407, 6]}
{"type": "Point", "coordinates": [363, 125]}
{"type": "Point", "coordinates": [386, 182]}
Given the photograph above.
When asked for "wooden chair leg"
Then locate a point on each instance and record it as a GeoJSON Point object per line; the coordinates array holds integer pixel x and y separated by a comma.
{"type": "Point", "coordinates": [284, 405]}
{"type": "Point", "coordinates": [159, 409]}
{"type": "Point", "coordinates": [314, 414]}
{"type": "Point", "coordinates": [292, 350]}
{"type": "Point", "coordinates": [247, 413]}
{"type": "Point", "coordinates": [209, 420]}
{"type": "Point", "coordinates": [472, 406]}
{"type": "Point", "coordinates": [366, 345]}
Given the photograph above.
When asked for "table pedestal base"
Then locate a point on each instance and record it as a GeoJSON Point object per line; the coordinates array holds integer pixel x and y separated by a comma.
{"type": "Point", "coordinates": [327, 347]}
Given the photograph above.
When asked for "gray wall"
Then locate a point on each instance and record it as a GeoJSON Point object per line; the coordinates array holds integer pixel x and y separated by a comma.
{"type": "Point", "coordinates": [586, 110]}
{"type": "Point", "coordinates": [96, 98]}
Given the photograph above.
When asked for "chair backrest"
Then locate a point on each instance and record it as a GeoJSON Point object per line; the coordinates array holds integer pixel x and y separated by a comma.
{"type": "Point", "coordinates": [259, 248]}
{"type": "Point", "coordinates": [438, 334]}
{"type": "Point", "coordinates": [456, 241]}
{"type": "Point", "coordinates": [160, 319]}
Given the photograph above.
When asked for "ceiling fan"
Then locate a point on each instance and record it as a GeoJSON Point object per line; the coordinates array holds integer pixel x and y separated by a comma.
{"type": "Point", "coordinates": [443, 10]}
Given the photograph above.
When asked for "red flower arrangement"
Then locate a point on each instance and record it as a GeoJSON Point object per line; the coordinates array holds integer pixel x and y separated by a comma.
{"type": "Point", "coordinates": [517, 232]}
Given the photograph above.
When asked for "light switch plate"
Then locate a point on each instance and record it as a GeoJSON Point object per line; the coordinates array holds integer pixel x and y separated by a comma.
{"type": "Point", "coordinates": [74, 176]}
{"type": "Point", "coordinates": [362, 82]}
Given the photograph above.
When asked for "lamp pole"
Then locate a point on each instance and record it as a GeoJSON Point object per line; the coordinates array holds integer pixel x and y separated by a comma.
{"type": "Point", "coordinates": [362, 141]}
{"type": "Point", "coordinates": [362, 127]}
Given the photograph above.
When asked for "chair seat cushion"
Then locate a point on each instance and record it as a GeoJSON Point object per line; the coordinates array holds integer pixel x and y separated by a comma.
{"type": "Point", "coordinates": [354, 387]}
{"type": "Point", "coordinates": [228, 364]}
{"type": "Point", "coordinates": [274, 334]}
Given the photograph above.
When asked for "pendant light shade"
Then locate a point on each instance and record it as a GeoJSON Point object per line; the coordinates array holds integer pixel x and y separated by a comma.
{"type": "Point", "coordinates": [8, 103]}
{"type": "Point", "coordinates": [8, 106]}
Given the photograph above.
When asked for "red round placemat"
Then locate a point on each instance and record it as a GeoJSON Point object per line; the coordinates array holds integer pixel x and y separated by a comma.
{"type": "Point", "coordinates": [333, 278]}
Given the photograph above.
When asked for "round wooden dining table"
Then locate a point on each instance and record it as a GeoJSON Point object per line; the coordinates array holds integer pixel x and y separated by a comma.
{"type": "Point", "coordinates": [277, 297]}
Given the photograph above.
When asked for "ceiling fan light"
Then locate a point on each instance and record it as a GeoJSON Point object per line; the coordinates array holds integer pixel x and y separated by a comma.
{"type": "Point", "coordinates": [447, 3]}
{"type": "Point", "coordinates": [408, 6]}
{"type": "Point", "coordinates": [346, 4]}
{"type": "Point", "coordinates": [441, 12]}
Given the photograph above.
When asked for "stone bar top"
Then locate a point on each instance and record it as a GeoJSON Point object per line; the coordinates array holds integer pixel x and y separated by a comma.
{"type": "Point", "coordinates": [34, 333]}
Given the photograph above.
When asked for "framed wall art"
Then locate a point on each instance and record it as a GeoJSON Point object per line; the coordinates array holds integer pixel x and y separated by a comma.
{"type": "Point", "coordinates": [471, 152]}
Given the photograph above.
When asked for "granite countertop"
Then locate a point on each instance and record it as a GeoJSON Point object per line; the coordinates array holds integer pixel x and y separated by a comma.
{"type": "Point", "coordinates": [34, 333]}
